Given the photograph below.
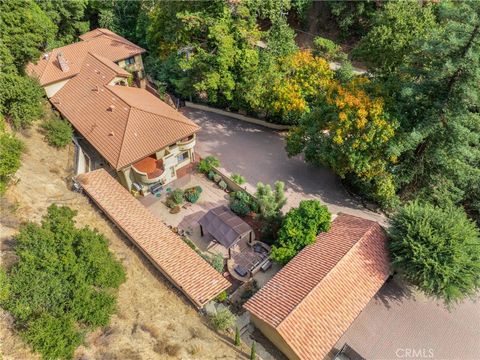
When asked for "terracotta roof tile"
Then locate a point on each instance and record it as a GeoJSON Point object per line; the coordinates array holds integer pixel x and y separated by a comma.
{"type": "Point", "coordinates": [138, 124]}
{"type": "Point", "coordinates": [319, 293]}
{"type": "Point", "coordinates": [199, 281]}
{"type": "Point", "coordinates": [109, 45]}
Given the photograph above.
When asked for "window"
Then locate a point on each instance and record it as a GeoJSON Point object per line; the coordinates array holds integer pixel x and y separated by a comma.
{"type": "Point", "coordinates": [182, 157]}
{"type": "Point", "coordinates": [130, 60]}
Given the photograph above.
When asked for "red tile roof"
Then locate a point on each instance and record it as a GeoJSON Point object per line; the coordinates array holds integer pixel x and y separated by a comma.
{"type": "Point", "coordinates": [320, 292]}
{"type": "Point", "coordinates": [138, 124]}
{"type": "Point", "coordinates": [105, 43]}
{"type": "Point", "coordinates": [191, 274]}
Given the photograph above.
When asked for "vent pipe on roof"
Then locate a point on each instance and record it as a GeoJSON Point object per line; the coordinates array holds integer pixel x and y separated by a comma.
{"type": "Point", "coordinates": [111, 133]}
{"type": "Point", "coordinates": [62, 61]}
{"type": "Point", "coordinates": [96, 88]}
{"type": "Point", "coordinates": [111, 108]}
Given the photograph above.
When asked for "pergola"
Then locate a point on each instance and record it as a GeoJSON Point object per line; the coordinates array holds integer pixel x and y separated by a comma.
{"type": "Point", "coordinates": [225, 227]}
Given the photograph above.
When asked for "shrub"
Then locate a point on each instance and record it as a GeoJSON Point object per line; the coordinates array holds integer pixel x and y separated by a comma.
{"type": "Point", "coordinates": [217, 178]}
{"type": "Point", "coordinates": [241, 203]}
{"type": "Point", "coordinates": [21, 99]}
{"type": "Point", "coordinates": [211, 174]}
{"type": "Point", "coordinates": [253, 351]}
{"type": "Point", "coordinates": [437, 249]}
{"type": "Point", "coordinates": [217, 262]}
{"type": "Point", "coordinates": [10, 152]}
{"type": "Point", "coordinates": [238, 179]}
{"type": "Point", "coordinates": [58, 132]}
{"type": "Point", "coordinates": [193, 194]}
{"type": "Point", "coordinates": [223, 185]}
{"type": "Point", "coordinates": [299, 229]}
{"type": "Point", "coordinates": [239, 207]}
{"type": "Point", "coordinates": [222, 296]}
{"type": "Point", "coordinates": [222, 320]}
{"type": "Point", "coordinates": [237, 341]}
{"type": "Point", "coordinates": [270, 202]}
{"type": "Point", "coordinates": [206, 165]}
{"type": "Point", "coordinates": [65, 281]}
{"type": "Point", "coordinates": [176, 196]}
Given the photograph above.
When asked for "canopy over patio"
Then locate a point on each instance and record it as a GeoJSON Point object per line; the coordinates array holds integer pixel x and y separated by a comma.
{"type": "Point", "coordinates": [226, 227]}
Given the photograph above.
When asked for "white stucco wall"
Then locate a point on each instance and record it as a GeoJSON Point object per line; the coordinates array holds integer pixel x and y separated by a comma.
{"type": "Point", "coordinates": [52, 89]}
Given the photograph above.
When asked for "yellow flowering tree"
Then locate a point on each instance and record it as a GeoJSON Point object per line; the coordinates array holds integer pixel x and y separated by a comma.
{"type": "Point", "coordinates": [348, 131]}
{"type": "Point", "coordinates": [305, 76]}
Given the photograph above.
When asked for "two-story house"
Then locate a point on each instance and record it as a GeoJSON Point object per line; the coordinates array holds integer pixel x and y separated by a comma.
{"type": "Point", "coordinates": [126, 130]}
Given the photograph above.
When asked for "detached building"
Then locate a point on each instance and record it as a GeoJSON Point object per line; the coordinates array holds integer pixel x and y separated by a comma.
{"type": "Point", "coordinates": [307, 306]}
{"type": "Point", "coordinates": [126, 130]}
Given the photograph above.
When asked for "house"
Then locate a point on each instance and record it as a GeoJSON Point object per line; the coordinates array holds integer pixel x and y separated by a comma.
{"type": "Point", "coordinates": [127, 130]}
{"type": "Point", "coordinates": [307, 306]}
{"type": "Point", "coordinates": [56, 67]}
{"type": "Point", "coordinates": [165, 249]}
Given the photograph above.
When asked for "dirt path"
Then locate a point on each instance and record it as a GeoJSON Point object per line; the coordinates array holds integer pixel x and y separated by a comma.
{"type": "Point", "coordinates": [153, 320]}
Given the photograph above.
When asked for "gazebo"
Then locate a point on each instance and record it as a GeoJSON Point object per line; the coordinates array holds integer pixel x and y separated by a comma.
{"type": "Point", "coordinates": [225, 227]}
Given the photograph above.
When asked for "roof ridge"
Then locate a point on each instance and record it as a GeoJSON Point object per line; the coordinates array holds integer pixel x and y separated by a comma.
{"type": "Point", "coordinates": [122, 143]}
{"type": "Point", "coordinates": [107, 62]}
{"type": "Point", "coordinates": [295, 308]}
{"type": "Point", "coordinates": [192, 124]}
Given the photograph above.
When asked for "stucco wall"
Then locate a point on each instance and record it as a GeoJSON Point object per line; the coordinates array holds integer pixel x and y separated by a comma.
{"type": "Point", "coordinates": [274, 337]}
{"type": "Point", "coordinates": [52, 89]}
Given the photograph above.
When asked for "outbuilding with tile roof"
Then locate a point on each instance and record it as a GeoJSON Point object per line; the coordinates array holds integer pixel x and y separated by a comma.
{"type": "Point", "coordinates": [307, 306]}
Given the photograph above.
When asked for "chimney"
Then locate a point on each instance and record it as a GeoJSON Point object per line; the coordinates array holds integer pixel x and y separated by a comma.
{"type": "Point", "coordinates": [62, 61]}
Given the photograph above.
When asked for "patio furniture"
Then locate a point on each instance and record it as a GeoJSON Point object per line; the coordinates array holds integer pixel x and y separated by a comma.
{"type": "Point", "coordinates": [241, 271]}
{"type": "Point", "coordinates": [156, 188]}
{"type": "Point", "coordinates": [266, 265]}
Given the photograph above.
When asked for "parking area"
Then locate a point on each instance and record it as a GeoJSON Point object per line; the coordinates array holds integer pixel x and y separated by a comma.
{"type": "Point", "coordinates": [259, 154]}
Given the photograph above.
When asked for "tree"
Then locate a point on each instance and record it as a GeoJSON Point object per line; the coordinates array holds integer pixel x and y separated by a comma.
{"type": "Point", "coordinates": [436, 99]}
{"type": "Point", "coordinates": [65, 281]}
{"type": "Point", "coordinates": [306, 76]}
{"type": "Point", "coordinates": [300, 228]}
{"type": "Point", "coordinates": [69, 18]}
{"type": "Point", "coordinates": [213, 43]}
{"type": "Point", "coordinates": [349, 131]}
{"type": "Point", "coordinates": [437, 249]}
{"type": "Point", "coordinates": [21, 99]}
{"type": "Point", "coordinates": [25, 31]}
{"type": "Point", "coordinates": [397, 30]}
{"type": "Point", "coordinates": [353, 17]}
{"type": "Point", "coordinates": [270, 202]}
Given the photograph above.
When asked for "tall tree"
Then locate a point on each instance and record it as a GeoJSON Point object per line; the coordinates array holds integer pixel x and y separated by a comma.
{"type": "Point", "coordinates": [437, 102]}
{"type": "Point", "coordinates": [25, 31]}
{"type": "Point", "coordinates": [349, 131]}
{"type": "Point", "coordinates": [396, 33]}
{"type": "Point", "coordinates": [69, 17]}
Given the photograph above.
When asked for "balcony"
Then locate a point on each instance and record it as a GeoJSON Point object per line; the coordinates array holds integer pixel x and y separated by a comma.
{"type": "Point", "coordinates": [187, 143]}
{"type": "Point", "coordinates": [148, 170]}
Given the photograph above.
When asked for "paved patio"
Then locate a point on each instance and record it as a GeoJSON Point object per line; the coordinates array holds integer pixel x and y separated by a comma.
{"type": "Point", "coordinates": [186, 221]}
{"type": "Point", "coordinates": [259, 154]}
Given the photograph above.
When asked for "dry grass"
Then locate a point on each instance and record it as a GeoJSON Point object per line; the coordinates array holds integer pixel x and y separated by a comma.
{"type": "Point", "coordinates": [166, 325]}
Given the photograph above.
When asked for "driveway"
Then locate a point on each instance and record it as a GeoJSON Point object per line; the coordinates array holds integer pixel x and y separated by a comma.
{"type": "Point", "coordinates": [401, 323]}
{"type": "Point", "coordinates": [259, 154]}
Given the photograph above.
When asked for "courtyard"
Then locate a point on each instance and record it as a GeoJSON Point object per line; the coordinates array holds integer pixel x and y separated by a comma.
{"type": "Point", "coordinates": [243, 260]}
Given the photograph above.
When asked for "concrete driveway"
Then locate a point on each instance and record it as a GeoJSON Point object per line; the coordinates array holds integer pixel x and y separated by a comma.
{"type": "Point", "coordinates": [259, 154]}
